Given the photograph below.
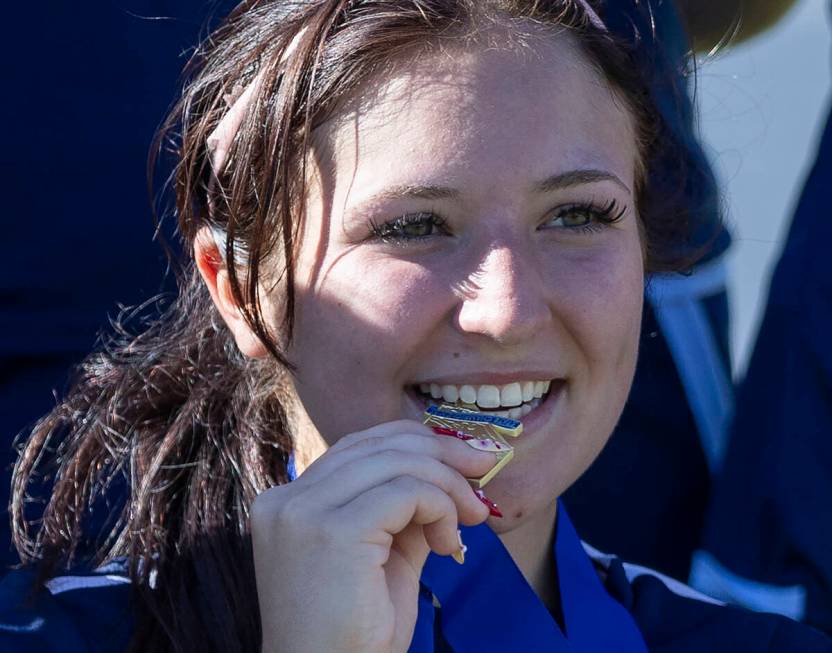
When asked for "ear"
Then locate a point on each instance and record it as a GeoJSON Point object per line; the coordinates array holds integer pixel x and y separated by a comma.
{"type": "Point", "coordinates": [212, 269]}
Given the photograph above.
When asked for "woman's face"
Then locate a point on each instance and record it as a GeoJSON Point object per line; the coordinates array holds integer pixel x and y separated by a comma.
{"type": "Point", "coordinates": [455, 237]}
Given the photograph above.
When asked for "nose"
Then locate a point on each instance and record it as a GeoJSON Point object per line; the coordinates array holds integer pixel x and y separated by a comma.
{"type": "Point", "coordinates": [505, 299]}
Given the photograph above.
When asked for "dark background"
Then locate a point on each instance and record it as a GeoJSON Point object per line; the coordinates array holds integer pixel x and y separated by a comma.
{"type": "Point", "coordinates": [86, 85]}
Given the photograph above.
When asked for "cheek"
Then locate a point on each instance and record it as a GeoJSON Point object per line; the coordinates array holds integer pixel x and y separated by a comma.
{"type": "Point", "coordinates": [385, 296]}
{"type": "Point", "coordinates": [363, 318]}
{"type": "Point", "coordinates": [601, 296]}
{"type": "Point", "coordinates": [358, 329]}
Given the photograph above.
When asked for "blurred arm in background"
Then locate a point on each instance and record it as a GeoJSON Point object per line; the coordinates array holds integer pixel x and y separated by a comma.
{"type": "Point", "coordinates": [710, 23]}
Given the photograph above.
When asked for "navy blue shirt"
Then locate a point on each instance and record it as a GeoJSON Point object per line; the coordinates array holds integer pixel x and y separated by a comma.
{"type": "Point", "coordinates": [91, 614]}
{"type": "Point", "coordinates": [770, 522]}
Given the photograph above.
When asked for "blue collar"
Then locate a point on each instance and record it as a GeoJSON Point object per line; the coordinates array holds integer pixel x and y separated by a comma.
{"type": "Point", "coordinates": [487, 605]}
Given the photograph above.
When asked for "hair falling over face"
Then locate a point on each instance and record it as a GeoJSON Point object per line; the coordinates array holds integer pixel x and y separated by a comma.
{"type": "Point", "coordinates": [169, 433]}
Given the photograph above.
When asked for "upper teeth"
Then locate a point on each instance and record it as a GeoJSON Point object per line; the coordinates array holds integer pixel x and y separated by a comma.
{"type": "Point", "coordinates": [488, 396]}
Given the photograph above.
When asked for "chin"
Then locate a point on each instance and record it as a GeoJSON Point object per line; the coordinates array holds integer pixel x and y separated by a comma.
{"type": "Point", "coordinates": [520, 497]}
{"type": "Point", "coordinates": [527, 487]}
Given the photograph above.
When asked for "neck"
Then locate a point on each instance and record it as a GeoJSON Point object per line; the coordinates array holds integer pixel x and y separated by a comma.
{"type": "Point", "coordinates": [307, 442]}
{"type": "Point", "coordinates": [530, 546]}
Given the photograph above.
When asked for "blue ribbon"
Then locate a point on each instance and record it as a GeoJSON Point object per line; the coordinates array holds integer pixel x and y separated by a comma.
{"type": "Point", "coordinates": [487, 605]}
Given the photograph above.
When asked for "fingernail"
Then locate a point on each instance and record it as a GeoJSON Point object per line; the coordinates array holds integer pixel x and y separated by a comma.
{"type": "Point", "coordinates": [487, 444]}
{"type": "Point", "coordinates": [480, 444]}
{"type": "Point", "coordinates": [459, 556]}
{"type": "Point", "coordinates": [493, 510]}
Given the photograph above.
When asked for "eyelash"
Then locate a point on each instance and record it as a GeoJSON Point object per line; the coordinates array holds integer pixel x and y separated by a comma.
{"type": "Point", "coordinates": [392, 231]}
{"type": "Point", "coordinates": [599, 217]}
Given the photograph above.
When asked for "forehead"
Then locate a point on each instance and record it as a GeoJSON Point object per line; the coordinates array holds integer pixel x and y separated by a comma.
{"type": "Point", "coordinates": [481, 115]}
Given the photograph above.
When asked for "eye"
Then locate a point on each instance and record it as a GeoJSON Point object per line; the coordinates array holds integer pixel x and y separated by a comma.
{"type": "Point", "coordinates": [410, 227]}
{"type": "Point", "coordinates": [584, 216]}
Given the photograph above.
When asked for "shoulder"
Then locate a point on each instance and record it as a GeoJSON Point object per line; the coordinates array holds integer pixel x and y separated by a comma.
{"type": "Point", "coordinates": [675, 618]}
{"type": "Point", "coordinates": [85, 611]}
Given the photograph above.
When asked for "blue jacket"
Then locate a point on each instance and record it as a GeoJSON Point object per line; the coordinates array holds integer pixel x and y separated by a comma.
{"type": "Point", "coordinates": [91, 613]}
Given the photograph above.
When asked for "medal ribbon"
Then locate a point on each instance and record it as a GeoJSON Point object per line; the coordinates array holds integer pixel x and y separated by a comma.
{"type": "Point", "coordinates": [487, 605]}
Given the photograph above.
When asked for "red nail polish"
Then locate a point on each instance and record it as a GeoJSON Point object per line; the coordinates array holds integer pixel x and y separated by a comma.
{"type": "Point", "coordinates": [459, 435]}
{"type": "Point", "coordinates": [493, 510]}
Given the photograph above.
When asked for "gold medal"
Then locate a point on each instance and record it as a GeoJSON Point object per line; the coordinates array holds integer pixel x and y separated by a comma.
{"type": "Point", "coordinates": [480, 434]}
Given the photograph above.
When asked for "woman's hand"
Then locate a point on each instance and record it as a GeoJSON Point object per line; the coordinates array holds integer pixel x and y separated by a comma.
{"type": "Point", "coordinates": [338, 552]}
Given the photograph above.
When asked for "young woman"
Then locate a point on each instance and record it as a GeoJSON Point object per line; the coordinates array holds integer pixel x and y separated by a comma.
{"type": "Point", "coordinates": [389, 204]}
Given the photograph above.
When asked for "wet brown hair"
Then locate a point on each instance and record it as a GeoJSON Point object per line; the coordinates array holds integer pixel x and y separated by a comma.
{"type": "Point", "coordinates": [169, 433]}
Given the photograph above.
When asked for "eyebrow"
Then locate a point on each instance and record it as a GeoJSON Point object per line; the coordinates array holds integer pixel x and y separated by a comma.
{"type": "Point", "coordinates": [418, 192]}
{"type": "Point", "coordinates": [555, 182]}
{"type": "Point", "coordinates": [577, 178]}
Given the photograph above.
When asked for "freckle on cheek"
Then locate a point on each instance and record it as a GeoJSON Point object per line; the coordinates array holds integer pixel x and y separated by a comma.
{"type": "Point", "coordinates": [518, 514]}
{"type": "Point", "coordinates": [456, 354]}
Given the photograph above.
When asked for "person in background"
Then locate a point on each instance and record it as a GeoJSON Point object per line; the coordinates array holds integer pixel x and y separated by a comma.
{"type": "Point", "coordinates": [87, 90]}
{"type": "Point", "coordinates": [768, 536]}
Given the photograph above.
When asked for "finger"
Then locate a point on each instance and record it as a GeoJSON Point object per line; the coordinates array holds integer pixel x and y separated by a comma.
{"type": "Point", "coordinates": [410, 543]}
{"type": "Point", "coordinates": [455, 453]}
{"type": "Point", "coordinates": [379, 430]}
{"type": "Point", "coordinates": [360, 475]}
{"type": "Point", "coordinates": [325, 462]}
{"type": "Point", "coordinates": [388, 509]}
{"type": "Point", "coordinates": [384, 428]}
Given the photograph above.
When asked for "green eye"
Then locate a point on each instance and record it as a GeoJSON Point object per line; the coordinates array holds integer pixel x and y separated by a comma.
{"type": "Point", "coordinates": [417, 229]}
{"type": "Point", "coordinates": [584, 217]}
{"type": "Point", "coordinates": [574, 218]}
{"type": "Point", "coordinates": [408, 228]}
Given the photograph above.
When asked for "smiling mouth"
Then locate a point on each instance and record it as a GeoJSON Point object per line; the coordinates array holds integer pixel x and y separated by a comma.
{"type": "Point", "coordinates": [513, 400]}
